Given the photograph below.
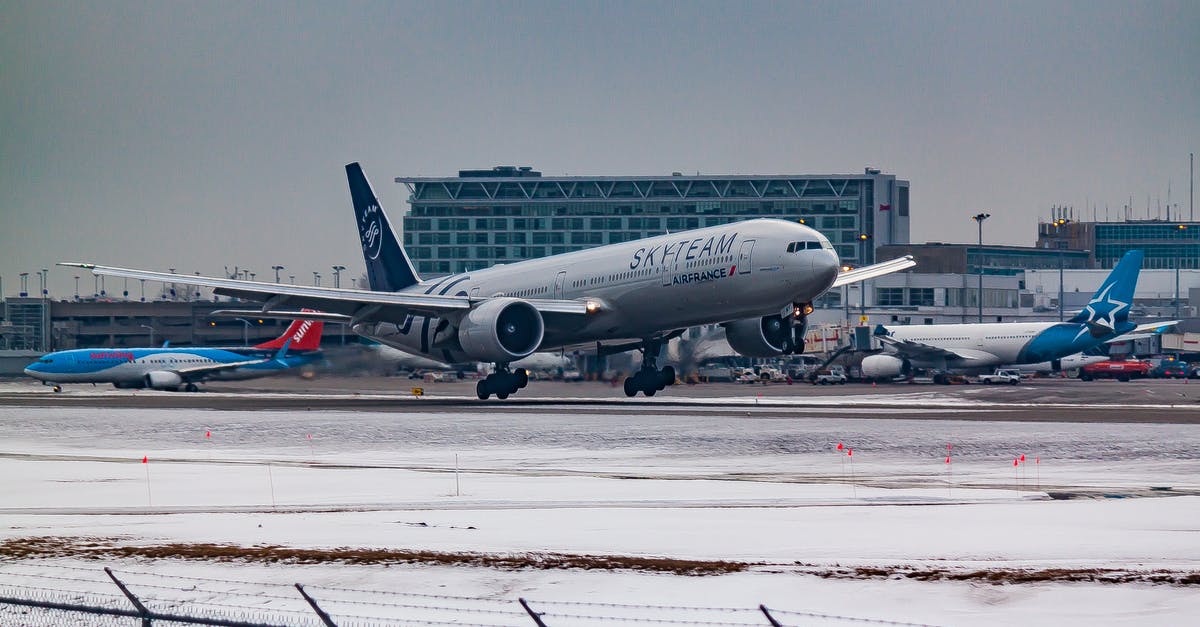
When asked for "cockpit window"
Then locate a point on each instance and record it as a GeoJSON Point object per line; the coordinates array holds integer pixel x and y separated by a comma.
{"type": "Point", "coordinates": [45, 361]}
{"type": "Point", "coordinates": [795, 247]}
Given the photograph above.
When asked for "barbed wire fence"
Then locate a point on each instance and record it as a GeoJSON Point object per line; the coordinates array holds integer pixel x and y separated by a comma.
{"type": "Point", "coordinates": [54, 595]}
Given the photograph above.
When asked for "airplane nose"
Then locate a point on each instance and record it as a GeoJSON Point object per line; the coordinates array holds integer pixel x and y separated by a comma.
{"type": "Point", "coordinates": [825, 268]}
{"type": "Point", "coordinates": [30, 372]}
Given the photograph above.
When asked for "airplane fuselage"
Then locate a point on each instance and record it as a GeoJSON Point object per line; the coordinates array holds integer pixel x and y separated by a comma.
{"type": "Point", "coordinates": [129, 366]}
{"type": "Point", "coordinates": [642, 288]}
{"type": "Point", "coordinates": [987, 345]}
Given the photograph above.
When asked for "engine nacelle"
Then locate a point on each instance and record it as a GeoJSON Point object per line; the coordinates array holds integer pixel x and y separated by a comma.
{"type": "Point", "coordinates": [885, 367]}
{"type": "Point", "coordinates": [160, 380]}
{"type": "Point", "coordinates": [768, 336]}
{"type": "Point", "coordinates": [501, 330]}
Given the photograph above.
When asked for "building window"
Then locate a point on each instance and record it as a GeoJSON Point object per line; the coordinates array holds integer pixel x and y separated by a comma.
{"type": "Point", "coordinates": [889, 296]}
{"type": "Point", "coordinates": [920, 296]}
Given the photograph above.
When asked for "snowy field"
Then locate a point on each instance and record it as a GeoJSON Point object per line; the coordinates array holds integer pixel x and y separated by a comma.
{"type": "Point", "coordinates": [821, 531]}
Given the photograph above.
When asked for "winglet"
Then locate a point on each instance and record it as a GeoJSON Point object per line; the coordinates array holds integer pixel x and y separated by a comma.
{"type": "Point", "coordinates": [283, 350]}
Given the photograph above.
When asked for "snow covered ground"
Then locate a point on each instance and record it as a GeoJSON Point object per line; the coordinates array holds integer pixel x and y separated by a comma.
{"type": "Point", "coordinates": [772, 492]}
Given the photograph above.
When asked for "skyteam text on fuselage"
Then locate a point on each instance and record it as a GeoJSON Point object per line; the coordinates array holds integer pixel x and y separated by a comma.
{"type": "Point", "coordinates": [174, 368]}
{"type": "Point", "coordinates": [757, 278]}
{"type": "Point", "coordinates": [973, 348]}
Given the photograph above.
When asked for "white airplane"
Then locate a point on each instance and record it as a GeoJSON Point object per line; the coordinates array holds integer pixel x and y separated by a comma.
{"type": "Point", "coordinates": [973, 348]}
{"type": "Point", "coordinates": [758, 278]}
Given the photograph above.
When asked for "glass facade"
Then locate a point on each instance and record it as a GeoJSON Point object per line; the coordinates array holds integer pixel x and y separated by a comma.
{"type": "Point", "coordinates": [1167, 246]}
{"type": "Point", "coordinates": [471, 222]}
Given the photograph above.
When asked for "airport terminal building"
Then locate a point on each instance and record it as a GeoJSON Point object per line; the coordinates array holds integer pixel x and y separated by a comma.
{"type": "Point", "coordinates": [506, 214]}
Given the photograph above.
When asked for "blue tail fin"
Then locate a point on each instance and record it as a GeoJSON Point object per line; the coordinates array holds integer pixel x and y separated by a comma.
{"type": "Point", "coordinates": [1109, 307]}
{"type": "Point", "coordinates": [388, 266]}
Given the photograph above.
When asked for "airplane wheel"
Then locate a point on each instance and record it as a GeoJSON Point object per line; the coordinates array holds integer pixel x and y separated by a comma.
{"type": "Point", "coordinates": [501, 395]}
{"type": "Point", "coordinates": [666, 377]}
{"type": "Point", "coordinates": [650, 391]}
{"type": "Point", "coordinates": [522, 377]}
{"type": "Point", "coordinates": [481, 390]}
{"type": "Point", "coordinates": [58, 388]}
{"type": "Point", "coordinates": [191, 387]}
{"type": "Point", "coordinates": [630, 387]}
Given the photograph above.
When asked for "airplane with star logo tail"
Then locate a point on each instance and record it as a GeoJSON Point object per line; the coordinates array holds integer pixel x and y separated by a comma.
{"type": "Point", "coordinates": [975, 348]}
{"type": "Point", "coordinates": [757, 278]}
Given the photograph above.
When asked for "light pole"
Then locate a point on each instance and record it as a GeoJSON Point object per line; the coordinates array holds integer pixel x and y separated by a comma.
{"type": "Point", "coordinates": [979, 218]}
{"type": "Point", "coordinates": [24, 285]}
{"type": "Point", "coordinates": [277, 269]}
{"type": "Point", "coordinates": [125, 289]}
{"type": "Point", "coordinates": [146, 326]}
{"type": "Point", "coordinates": [45, 275]}
{"type": "Point", "coordinates": [316, 279]}
{"type": "Point", "coordinates": [76, 288]}
{"type": "Point", "coordinates": [1178, 258]}
{"type": "Point", "coordinates": [292, 278]}
{"type": "Point", "coordinates": [197, 287]}
{"type": "Point", "coordinates": [337, 276]}
{"type": "Point", "coordinates": [245, 331]}
{"type": "Point", "coordinates": [1058, 224]}
{"type": "Point", "coordinates": [862, 287]}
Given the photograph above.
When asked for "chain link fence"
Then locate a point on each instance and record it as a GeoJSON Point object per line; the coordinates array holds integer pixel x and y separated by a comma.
{"type": "Point", "coordinates": [36, 595]}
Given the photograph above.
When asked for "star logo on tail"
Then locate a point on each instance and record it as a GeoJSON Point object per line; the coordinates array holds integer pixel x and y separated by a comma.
{"type": "Point", "coordinates": [1103, 309]}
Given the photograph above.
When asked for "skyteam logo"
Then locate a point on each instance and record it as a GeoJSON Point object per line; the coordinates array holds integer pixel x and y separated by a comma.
{"type": "Point", "coordinates": [1103, 310]}
{"type": "Point", "coordinates": [371, 231]}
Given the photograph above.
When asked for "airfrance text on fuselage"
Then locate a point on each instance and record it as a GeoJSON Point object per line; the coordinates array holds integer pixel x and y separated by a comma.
{"type": "Point", "coordinates": [658, 255]}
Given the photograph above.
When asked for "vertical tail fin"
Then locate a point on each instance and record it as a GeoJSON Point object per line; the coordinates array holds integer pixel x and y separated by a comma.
{"type": "Point", "coordinates": [1109, 307]}
{"type": "Point", "coordinates": [303, 335]}
{"type": "Point", "coordinates": [388, 266]}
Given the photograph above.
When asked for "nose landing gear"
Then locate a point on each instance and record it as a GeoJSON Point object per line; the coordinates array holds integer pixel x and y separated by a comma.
{"type": "Point", "coordinates": [502, 383]}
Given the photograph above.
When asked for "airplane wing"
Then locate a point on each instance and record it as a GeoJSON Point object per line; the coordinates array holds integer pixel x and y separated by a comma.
{"type": "Point", "coordinates": [921, 350]}
{"type": "Point", "coordinates": [874, 270]}
{"type": "Point", "coordinates": [358, 305]}
{"type": "Point", "coordinates": [199, 372]}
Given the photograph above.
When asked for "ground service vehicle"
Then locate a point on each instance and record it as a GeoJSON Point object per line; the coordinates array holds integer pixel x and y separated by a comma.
{"type": "Point", "coordinates": [1172, 369]}
{"type": "Point", "coordinates": [1120, 370]}
{"type": "Point", "coordinates": [1011, 376]}
{"type": "Point", "coordinates": [833, 375]}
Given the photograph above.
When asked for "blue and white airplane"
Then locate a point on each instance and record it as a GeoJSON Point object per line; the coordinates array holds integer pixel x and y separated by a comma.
{"type": "Point", "coordinates": [174, 368]}
{"type": "Point", "coordinates": [973, 348]}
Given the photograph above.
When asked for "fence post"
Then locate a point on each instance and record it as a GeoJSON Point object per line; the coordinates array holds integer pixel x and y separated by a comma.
{"type": "Point", "coordinates": [145, 613]}
{"type": "Point", "coordinates": [537, 618]}
{"type": "Point", "coordinates": [774, 622]}
{"type": "Point", "coordinates": [316, 608]}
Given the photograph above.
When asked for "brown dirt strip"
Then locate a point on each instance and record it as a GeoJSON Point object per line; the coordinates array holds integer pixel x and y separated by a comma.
{"type": "Point", "coordinates": [109, 548]}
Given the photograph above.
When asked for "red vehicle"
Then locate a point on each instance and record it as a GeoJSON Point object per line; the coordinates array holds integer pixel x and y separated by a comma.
{"type": "Point", "coordinates": [1123, 370]}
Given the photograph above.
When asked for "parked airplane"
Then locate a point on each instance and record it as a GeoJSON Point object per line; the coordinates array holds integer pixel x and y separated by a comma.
{"type": "Point", "coordinates": [171, 368]}
{"type": "Point", "coordinates": [1070, 362]}
{"type": "Point", "coordinates": [757, 277]}
{"type": "Point", "coordinates": [972, 348]}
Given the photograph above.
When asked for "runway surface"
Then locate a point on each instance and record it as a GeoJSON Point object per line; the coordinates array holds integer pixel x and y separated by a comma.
{"type": "Point", "coordinates": [1105, 487]}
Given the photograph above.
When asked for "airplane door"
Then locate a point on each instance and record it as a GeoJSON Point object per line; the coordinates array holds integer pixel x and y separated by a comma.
{"type": "Point", "coordinates": [559, 281]}
{"type": "Point", "coordinates": [744, 257]}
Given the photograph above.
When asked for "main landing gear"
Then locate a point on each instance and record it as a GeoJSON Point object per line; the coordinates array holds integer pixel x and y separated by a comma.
{"type": "Point", "coordinates": [649, 380]}
{"type": "Point", "coordinates": [502, 382]}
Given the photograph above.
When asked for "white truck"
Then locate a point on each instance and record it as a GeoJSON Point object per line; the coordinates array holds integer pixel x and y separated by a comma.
{"type": "Point", "coordinates": [833, 375]}
{"type": "Point", "coordinates": [1011, 376]}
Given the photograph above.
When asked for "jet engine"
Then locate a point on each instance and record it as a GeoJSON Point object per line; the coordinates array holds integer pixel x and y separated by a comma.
{"type": "Point", "coordinates": [501, 330]}
{"type": "Point", "coordinates": [160, 380]}
{"type": "Point", "coordinates": [885, 367]}
{"type": "Point", "coordinates": [768, 336]}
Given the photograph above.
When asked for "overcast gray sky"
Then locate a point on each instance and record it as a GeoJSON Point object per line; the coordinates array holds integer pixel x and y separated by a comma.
{"type": "Point", "coordinates": [196, 135]}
